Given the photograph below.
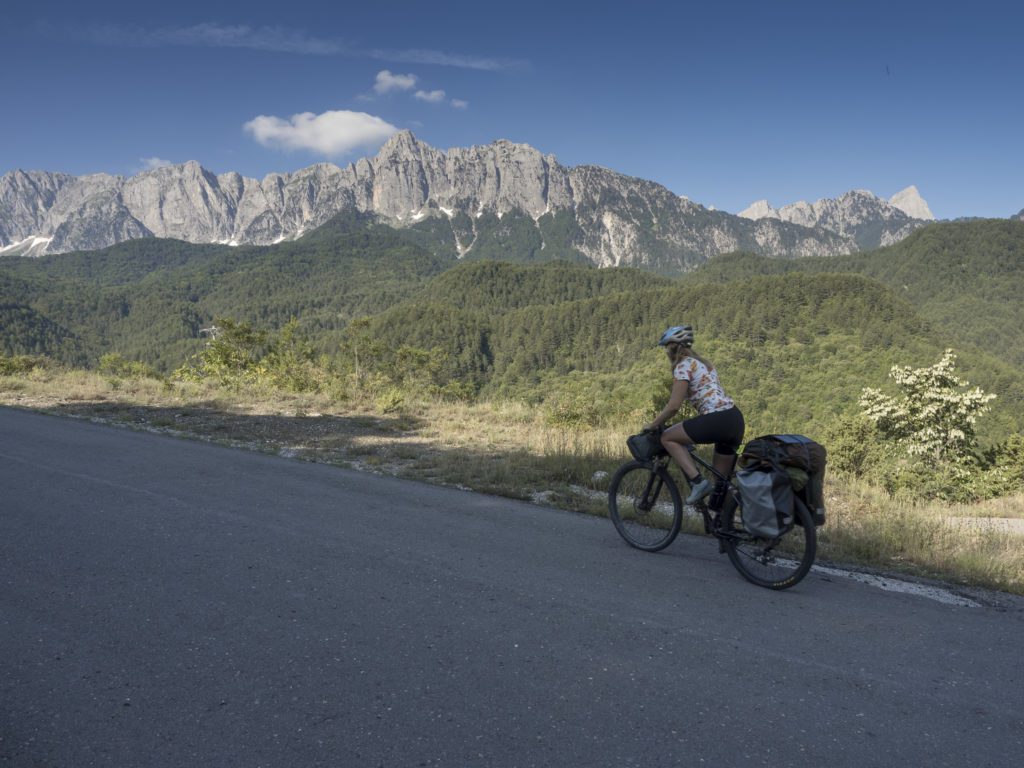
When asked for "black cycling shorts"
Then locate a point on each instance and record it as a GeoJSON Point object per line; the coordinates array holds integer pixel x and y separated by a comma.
{"type": "Point", "coordinates": [723, 428]}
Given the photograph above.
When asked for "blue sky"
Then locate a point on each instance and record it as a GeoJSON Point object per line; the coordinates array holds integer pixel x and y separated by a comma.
{"type": "Point", "coordinates": [725, 103]}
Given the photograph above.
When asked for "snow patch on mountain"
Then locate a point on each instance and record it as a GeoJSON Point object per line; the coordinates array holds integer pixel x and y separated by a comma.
{"type": "Point", "coordinates": [30, 246]}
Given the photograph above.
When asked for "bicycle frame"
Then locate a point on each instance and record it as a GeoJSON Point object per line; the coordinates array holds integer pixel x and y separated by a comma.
{"type": "Point", "coordinates": [711, 521]}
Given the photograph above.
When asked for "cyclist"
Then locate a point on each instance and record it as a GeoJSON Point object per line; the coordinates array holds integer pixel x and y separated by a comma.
{"type": "Point", "coordinates": [718, 420]}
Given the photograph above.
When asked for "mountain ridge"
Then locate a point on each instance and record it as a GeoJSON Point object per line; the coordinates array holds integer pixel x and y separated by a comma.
{"type": "Point", "coordinates": [870, 221]}
{"type": "Point", "coordinates": [605, 217]}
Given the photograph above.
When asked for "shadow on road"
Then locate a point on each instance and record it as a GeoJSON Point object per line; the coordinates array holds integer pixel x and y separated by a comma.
{"type": "Point", "coordinates": [400, 445]}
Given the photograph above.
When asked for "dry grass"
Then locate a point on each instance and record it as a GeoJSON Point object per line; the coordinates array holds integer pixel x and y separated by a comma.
{"type": "Point", "coordinates": [510, 449]}
{"type": "Point", "coordinates": [1007, 507]}
{"type": "Point", "coordinates": [932, 539]}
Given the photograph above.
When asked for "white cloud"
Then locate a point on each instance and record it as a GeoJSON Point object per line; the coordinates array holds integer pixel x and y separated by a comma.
{"type": "Point", "coordinates": [386, 82]}
{"type": "Point", "coordinates": [459, 103]}
{"type": "Point", "coordinates": [209, 35]}
{"type": "Point", "coordinates": [276, 38]}
{"type": "Point", "coordinates": [331, 133]}
{"type": "Point", "coordinates": [151, 163]}
{"type": "Point", "coordinates": [434, 97]}
{"type": "Point", "coordinates": [421, 56]}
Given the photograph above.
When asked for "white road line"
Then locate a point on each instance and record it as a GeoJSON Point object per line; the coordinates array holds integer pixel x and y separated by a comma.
{"type": "Point", "coordinates": [893, 585]}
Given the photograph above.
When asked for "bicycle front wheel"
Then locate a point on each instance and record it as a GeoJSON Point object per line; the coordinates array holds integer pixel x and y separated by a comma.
{"type": "Point", "coordinates": [645, 505]}
{"type": "Point", "coordinates": [778, 563]}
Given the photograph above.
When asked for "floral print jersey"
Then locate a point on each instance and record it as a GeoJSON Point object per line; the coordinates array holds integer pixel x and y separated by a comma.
{"type": "Point", "coordinates": [705, 391]}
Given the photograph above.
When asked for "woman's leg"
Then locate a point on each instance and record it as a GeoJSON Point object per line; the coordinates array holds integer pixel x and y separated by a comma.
{"type": "Point", "coordinates": [724, 463]}
{"type": "Point", "coordinates": [731, 428]}
{"type": "Point", "coordinates": [674, 439]}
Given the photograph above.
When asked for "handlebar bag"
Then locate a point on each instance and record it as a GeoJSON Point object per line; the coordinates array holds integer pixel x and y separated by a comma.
{"type": "Point", "coordinates": [645, 446]}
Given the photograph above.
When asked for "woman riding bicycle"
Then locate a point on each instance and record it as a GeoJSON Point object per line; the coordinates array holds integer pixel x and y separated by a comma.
{"type": "Point", "coordinates": [718, 420]}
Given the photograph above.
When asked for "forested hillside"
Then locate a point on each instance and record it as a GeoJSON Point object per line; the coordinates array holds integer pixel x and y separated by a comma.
{"type": "Point", "coordinates": [500, 286]}
{"type": "Point", "coordinates": [797, 350]}
{"type": "Point", "coordinates": [149, 299]}
{"type": "Point", "coordinates": [967, 278]}
{"type": "Point", "coordinates": [796, 341]}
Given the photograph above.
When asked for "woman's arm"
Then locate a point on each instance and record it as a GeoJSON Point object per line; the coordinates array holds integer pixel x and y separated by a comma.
{"type": "Point", "coordinates": [675, 401]}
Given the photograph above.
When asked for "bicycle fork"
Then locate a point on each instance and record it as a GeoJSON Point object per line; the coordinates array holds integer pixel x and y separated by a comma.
{"type": "Point", "coordinates": [651, 493]}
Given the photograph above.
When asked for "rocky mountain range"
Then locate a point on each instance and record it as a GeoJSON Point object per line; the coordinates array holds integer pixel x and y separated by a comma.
{"type": "Point", "coordinates": [868, 220]}
{"type": "Point", "coordinates": [497, 196]}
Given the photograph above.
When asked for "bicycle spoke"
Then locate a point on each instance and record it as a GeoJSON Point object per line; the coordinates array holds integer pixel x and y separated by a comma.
{"type": "Point", "coordinates": [644, 505]}
{"type": "Point", "coordinates": [777, 564]}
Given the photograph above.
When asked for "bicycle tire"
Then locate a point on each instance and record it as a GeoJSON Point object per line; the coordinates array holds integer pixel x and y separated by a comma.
{"type": "Point", "coordinates": [639, 508]}
{"type": "Point", "coordinates": [777, 564]}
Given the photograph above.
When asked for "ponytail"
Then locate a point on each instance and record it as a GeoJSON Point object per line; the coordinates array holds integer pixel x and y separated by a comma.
{"type": "Point", "coordinates": [681, 353]}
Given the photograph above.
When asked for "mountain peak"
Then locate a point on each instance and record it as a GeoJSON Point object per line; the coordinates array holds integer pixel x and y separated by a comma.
{"type": "Point", "coordinates": [909, 201]}
{"type": "Point", "coordinates": [509, 143]}
{"type": "Point", "coordinates": [191, 167]}
{"type": "Point", "coordinates": [403, 139]}
{"type": "Point", "coordinates": [759, 210]}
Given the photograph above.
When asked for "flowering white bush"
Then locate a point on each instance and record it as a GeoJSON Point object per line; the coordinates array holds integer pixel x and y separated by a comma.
{"type": "Point", "coordinates": [936, 415]}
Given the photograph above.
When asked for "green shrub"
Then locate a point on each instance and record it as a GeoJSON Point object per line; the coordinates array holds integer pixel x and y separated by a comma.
{"type": "Point", "coordinates": [292, 364]}
{"type": "Point", "coordinates": [20, 364]}
{"type": "Point", "coordinates": [965, 481]}
{"type": "Point", "coordinates": [232, 357]}
{"type": "Point", "coordinates": [572, 409]}
{"type": "Point", "coordinates": [855, 447]}
{"type": "Point", "coordinates": [1004, 473]}
{"type": "Point", "coordinates": [457, 391]}
{"type": "Point", "coordinates": [914, 478]}
{"type": "Point", "coordinates": [390, 400]}
{"type": "Point", "coordinates": [113, 364]}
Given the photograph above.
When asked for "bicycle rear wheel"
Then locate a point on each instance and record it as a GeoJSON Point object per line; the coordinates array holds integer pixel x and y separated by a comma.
{"type": "Point", "coordinates": [776, 564]}
{"type": "Point", "coordinates": [644, 504]}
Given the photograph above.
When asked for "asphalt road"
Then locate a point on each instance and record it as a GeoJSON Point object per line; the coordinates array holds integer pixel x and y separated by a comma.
{"type": "Point", "coordinates": [165, 602]}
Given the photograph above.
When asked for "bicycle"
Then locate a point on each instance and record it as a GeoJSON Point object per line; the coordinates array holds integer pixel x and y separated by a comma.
{"type": "Point", "coordinates": [649, 521]}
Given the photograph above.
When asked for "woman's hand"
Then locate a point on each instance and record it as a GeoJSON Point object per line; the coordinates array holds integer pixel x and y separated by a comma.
{"type": "Point", "coordinates": [679, 390]}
